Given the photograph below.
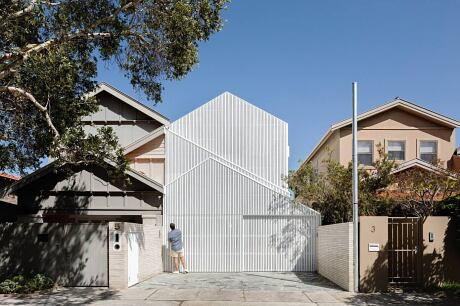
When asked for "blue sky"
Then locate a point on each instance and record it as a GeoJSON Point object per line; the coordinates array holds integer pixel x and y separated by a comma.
{"type": "Point", "coordinates": [297, 60]}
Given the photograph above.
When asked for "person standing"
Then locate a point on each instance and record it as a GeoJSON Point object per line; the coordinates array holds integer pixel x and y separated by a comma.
{"type": "Point", "coordinates": [176, 248]}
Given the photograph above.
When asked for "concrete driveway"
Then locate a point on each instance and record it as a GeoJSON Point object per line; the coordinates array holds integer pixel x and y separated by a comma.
{"type": "Point", "coordinates": [225, 289]}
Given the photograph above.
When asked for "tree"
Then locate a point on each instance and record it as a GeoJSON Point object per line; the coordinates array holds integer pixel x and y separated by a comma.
{"type": "Point", "coordinates": [419, 192]}
{"type": "Point", "coordinates": [330, 191]}
{"type": "Point", "coordinates": [48, 61]}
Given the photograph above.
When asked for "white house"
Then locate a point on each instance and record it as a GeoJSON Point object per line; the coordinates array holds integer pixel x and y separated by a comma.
{"type": "Point", "coordinates": [225, 167]}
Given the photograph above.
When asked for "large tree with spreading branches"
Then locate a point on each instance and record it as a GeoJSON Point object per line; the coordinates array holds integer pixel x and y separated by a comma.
{"type": "Point", "coordinates": [48, 62]}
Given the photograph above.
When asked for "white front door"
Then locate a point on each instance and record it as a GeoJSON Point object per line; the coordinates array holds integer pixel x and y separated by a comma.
{"type": "Point", "coordinates": [133, 259]}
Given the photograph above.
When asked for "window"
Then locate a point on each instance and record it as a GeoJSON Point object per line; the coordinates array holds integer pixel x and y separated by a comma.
{"type": "Point", "coordinates": [365, 152]}
{"type": "Point", "coordinates": [396, 150]}
{"type": "Point", "coordinates": [429, 151]}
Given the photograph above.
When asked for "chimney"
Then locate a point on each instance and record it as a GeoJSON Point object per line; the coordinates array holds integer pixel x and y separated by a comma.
{"type": "Point", "coordinates": [455, 161]}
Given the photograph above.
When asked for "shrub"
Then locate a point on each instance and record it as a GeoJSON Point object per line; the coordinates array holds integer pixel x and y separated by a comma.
{"type": "Point", "coordinates": [22, 284]}
{"type": "Point", "coordinates": [39, 282]}
{"type": "Point", "coordinates": [9, 286]}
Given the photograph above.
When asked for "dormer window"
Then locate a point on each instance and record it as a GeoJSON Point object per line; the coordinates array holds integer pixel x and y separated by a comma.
{"type": "Point", "coordinates": [396, 150]}
{"type": "Point", "coordinates": [429, 151]}
{"type": "Point", "coordinates": [365, 152]}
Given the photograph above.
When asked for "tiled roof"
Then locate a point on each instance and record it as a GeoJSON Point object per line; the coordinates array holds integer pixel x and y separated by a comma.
{"type": "Point", "coordinates": [9, 176]}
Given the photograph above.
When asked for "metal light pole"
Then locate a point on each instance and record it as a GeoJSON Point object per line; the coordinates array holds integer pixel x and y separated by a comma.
{"type": "Point", "coordinates": [355, 188]}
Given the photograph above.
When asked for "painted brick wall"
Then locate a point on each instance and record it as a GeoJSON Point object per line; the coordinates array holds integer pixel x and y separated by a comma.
{"type": "Point", "coordinates": [150, 261]}
{"type": "Point", "coordinates": [335, 253]}
{"type": "Point", "coordinates": [118, 258]}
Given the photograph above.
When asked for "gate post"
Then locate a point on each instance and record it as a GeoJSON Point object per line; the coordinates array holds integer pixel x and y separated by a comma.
{"type": "Point", "coordinates": [373, 255]}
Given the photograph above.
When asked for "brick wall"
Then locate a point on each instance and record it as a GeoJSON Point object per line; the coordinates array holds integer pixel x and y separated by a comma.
{"type": "Point", "coordinates": [335, 254]}
{"type": "Point", "coordinates": [118, 258]}
{"type": "Point", "coordinates": [150, 261]}
{"type": "Point", "coordinates": [149, 238]}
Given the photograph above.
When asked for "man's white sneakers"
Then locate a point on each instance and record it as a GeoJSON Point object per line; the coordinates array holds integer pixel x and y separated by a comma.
{"type": "Point", "coordinates": [176, 272]}
{"type": "Point", "coordinates": [185, 271]}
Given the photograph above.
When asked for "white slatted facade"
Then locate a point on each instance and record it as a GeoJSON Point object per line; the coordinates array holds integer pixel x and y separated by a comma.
{"type": "Point", "coordinates": [239, 132]}
{"type": "Point", "coordinates": [225, 164]}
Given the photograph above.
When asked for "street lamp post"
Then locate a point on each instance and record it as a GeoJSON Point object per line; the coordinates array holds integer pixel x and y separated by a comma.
{"type": "Point", "coordinates": [355, 189]}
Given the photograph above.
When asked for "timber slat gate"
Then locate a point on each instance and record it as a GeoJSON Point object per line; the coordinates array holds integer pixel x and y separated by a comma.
{"type": "Point", "coordinates": [404, 250]}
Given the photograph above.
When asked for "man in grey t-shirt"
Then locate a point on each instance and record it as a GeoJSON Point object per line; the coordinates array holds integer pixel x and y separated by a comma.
{"type": "Point", "coordinates": [176, 248]}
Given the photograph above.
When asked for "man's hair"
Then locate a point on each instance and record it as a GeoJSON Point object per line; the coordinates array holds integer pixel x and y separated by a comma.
{"type": "Point", "coordinates": [172, 226]}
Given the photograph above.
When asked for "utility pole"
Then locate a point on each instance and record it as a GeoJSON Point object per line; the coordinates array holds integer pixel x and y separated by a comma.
{"type": "Point", "coordinates": [354, 127]}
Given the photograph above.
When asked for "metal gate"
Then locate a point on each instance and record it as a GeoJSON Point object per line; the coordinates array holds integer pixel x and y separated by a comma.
{"type": "Point", "coordinates": [404, 262]}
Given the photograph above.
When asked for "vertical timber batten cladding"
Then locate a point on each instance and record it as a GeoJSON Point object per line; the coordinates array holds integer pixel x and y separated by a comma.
{"type": "Point", "coordinates": [225, 165]}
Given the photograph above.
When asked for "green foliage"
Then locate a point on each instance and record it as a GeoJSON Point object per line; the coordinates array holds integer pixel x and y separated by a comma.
{"type": "Point", "coordinates": [449, 207]}
{"type": "Point", "coordinates": [9, 286]}
{"type": "Point", "coordinates": [21, 284]}
{"type": "Point", "coordinates": [49, 51]}
{"type": "Point", "coordinates": [422, 193]}
{"type": "Point", "coordinates": [451, 286]}
{"type": "Point", "coordinates": [330, 191]}
{"type": "Point", "coordinates": [39, 282]}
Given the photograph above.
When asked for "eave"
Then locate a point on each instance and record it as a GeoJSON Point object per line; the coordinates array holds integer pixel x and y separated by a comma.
{"type": "Point", "coordinates": [104, 87]}
{"type": "Point", "coordinates": [144, 140]}
{"type": "Point", "coordinates": [34, 176]}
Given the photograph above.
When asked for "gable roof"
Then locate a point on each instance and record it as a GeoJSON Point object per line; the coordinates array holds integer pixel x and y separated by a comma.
{"type": "Point", "coordinates": [418, 163]}
{"type": "Point", "coordinates": [32, 177]}
{"type": "Point", "coordinates": [396, 103]}
{"type": "Point", "coordinates": [130, 101]}
{"type": "Point", "coordinates": [145, 139]}
{"type": "Point", "coordinates": [9, 176]}
{"type": "Point", "coordinates": [230, 127]}
{"type": "Point", "coordinates": [222, 99]}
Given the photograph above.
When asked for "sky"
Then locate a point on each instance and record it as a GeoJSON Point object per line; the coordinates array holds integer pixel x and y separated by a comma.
{"type": "Point", "coordinates": [297, 60]}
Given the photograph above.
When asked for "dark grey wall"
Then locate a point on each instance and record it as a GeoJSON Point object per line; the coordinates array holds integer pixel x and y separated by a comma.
{"type": "Point", "coordinates": [7, 212]}
{"type": "Point", "coordinates": [88, 189]}
{"type": "Point", "coordinates": [128, 123]}
{"type": "Point", "coordinates": [71, 254]}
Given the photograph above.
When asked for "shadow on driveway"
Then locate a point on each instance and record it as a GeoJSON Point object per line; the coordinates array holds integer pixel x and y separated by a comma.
{"type": "Point", "coordinates": [61, 296]}
{"type": "Point", "coordinates": [270, 281]}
